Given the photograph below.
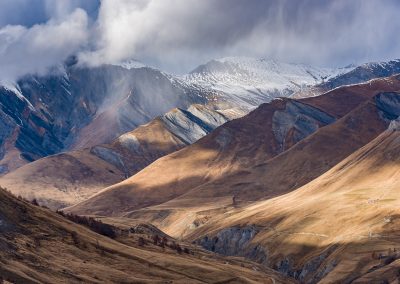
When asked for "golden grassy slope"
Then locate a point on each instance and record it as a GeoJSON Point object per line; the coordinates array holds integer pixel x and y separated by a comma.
{"type": "Point", "coordinates": [340, 222]}
{"type": "Point", "coordinates": [183, 189]}
{"type": "Point", "coordinates": [295, 167]}
{"type": "Point", "coordinates": [38, 246]}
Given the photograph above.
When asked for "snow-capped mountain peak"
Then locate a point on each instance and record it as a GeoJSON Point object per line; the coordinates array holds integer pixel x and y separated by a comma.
{"type": "Point", "coordinates": [131, 64]}
{"type": "Point", "coordinates": [251, 81]}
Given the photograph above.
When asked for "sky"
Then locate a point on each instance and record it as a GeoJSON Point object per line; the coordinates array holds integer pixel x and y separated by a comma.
{"type": "Point", "coordinates": [178, 35]}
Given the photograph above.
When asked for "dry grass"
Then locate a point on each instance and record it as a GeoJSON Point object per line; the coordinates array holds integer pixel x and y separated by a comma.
{"type": "Point", "coordinates": [38, 246]}
{"type": "Point", "coordinates": [178, 191]}
{"type": "Point", "coordinates": [351, 210]}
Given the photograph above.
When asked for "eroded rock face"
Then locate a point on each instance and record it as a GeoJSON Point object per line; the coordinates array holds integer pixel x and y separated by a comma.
{"type": "Point", "coordinates": [185, 125]}
{"type": "Point", "coordinates": [235, 241]}
{"type": "Point", "coordinates": [388, 104]}
{"type": "Point", "coordinates": [230, 241]}
{"type": "Point", "coordinates": [312, 271]}
{"type": "Point", "coordinates": [296, 122]}
{"type": "Point", "coordinates": [194, 123]}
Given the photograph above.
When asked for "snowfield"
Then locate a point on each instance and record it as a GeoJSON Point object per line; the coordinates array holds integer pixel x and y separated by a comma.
{"type": "Point", "coordinates": [249, 82]}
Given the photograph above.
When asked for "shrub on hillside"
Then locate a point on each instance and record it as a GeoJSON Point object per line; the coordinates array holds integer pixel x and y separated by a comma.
{"type": "Point", "coordinates": [93, 224]}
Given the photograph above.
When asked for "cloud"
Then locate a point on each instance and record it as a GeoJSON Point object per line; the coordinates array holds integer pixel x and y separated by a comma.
{"type": "Point", "coordinates": [177, 35]}
{"type": "Point", "coordinates": [171, 32]}
{"type": "Point", "coordinates": [335, 33]}
{"type": "Point", "coordinates": [33, 50]}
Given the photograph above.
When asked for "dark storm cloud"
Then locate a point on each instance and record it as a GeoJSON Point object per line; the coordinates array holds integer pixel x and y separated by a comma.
{"type": "Point", "coordinates": [176, 35]}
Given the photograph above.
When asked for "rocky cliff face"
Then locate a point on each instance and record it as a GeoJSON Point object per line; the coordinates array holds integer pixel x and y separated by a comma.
{"type": "Point", "coordinates": [388, 104]}
{"type": "Point", "coordinates": [237, 241]}
{"type": "Point", "coordinates": [296, 122]}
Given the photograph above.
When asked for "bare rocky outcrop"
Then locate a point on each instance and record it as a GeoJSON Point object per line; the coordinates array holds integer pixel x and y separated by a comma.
{"type": "Point", "coordinates": [237, 241]}
{"type": "Point", "coordinates": [230, 241]}
{"type": "Point", "coordinates": [394, 125]}
{"type": "Point", "coordinates": [388, 104]}
{"type": "Point", "coordinates": [299, 121]}
{"type": "Point", "coordinates": [311, 271]}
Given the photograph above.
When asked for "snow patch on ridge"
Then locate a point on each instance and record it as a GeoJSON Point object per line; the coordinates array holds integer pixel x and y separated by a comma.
{"type": "Point", "coordinates": [14, 88]}
{"type": "Point", "coordinates": [131, 64]}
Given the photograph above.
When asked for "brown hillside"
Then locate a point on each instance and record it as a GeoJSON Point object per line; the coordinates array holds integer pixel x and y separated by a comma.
{"type": "Point", "coordinates": [232, 160]}
{"type": "Point", "coordinates": [39, 246]}
{"type": "Point", "coordinates": [341, 227]}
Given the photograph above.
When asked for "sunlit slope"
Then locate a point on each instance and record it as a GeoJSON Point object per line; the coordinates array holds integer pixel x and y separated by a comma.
{"type": "Point", "coordinates": [237, 144]}
{"type": "Point", "coordinates": [238, 158]}
{"type": "Point", "coordinates": [39, 246]}
{"type": "Point", "coordinates": [65, 179]}
{"type": "Point", "coordinates": [340, 227]}
{"type": "Point", "coordinates": [295, 167]}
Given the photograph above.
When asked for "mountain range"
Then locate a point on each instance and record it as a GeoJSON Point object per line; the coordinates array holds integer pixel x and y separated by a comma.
{"type": "Point", "coordinates": [74, 107]}
{"type": "Point", "coordinates": [242, 171]}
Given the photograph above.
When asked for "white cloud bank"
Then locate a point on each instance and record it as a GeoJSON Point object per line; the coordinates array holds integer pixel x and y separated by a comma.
{"type": "Point", "coordinates": [33, 50]}
{"type": "Point", "coordinates": [176, 35]}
